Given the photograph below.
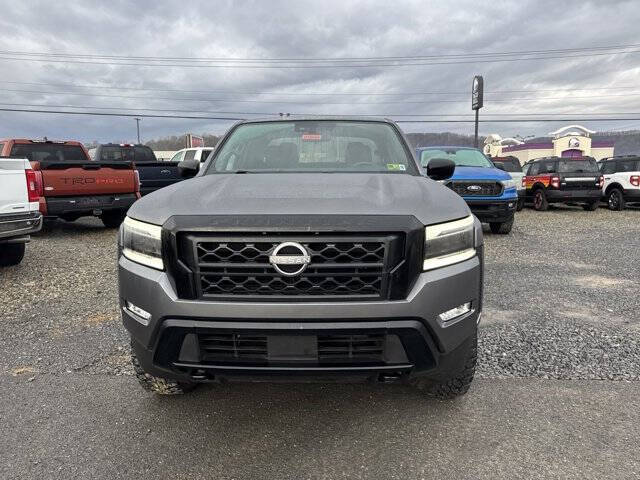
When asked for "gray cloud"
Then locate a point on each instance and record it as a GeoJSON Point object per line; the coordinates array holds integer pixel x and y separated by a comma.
{"type": "Point", "coordinates": [261, 29]}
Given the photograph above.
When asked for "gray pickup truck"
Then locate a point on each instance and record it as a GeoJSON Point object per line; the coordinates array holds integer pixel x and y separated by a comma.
{"type": "Point", "coordinates": [308, 248]}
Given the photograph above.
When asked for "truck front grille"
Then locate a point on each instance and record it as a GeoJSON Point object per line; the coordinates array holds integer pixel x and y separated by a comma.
{"type": "Point", "coordinates": [476, 188]}
{"type": "Point", "coordinates": [339, 266]}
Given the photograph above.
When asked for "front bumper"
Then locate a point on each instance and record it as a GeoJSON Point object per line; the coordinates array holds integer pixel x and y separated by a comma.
{"type": "Point", "coordinates": [493, 210]}
{"type": "Point", "coordinates": [168, 344]}
{"type": "Point", "coordinates": [585, 195]}
{"type": "Point", "coordinates": [19, 226]}
{"type": "Point", "coordinates": [88, 205]}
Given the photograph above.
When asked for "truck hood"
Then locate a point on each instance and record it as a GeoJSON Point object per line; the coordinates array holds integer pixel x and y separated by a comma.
{"type": "Point", "coordinates": [303, 194]}
{"type": "Point", "coordinates": [479, 173]}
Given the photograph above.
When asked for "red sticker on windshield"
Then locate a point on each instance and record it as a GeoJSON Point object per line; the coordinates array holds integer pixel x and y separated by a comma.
{"type": "Point", "coordinates": [311, 137]}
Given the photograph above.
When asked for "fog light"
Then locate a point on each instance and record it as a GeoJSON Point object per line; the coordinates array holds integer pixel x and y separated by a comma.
{"type": "Point", "coordinates": [455, 312]}
{"type": "Point", "coordinates": [138, 311]}
{"type": "Point", "coordinates": [511, 204]}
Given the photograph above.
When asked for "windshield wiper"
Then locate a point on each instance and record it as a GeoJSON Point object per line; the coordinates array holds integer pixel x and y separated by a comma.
{"type": "Point", "coordinates": [480, 166]}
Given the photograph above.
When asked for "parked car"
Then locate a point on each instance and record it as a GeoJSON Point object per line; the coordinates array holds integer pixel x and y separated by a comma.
{"type": "Point", "coordinates": [512, 166]}
{"type": "Point", "coordinates": [621, 180]}
{"type": "Point", "coordinates": [19, 215]}
{"type": "Point", "coordinates": [563, 180]}
{"type": "Point", "coordinates": [73, 186]}
{"type": "Point", "coordinates": [490, 192]}
{"type": "Point", "coordinates": [154, 175]}
{"type": "Point", "coordinates": [199, 154]}
{"type": "Point", "coordinates": [306, 247]}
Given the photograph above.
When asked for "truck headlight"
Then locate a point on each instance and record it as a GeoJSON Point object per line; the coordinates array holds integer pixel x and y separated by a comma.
{"type": "Point", "coordinates": [449, 243]}
{"type": "Point", "coordinates": [508, 183]}
{"type": "Point", "coordinates": [141, 243]}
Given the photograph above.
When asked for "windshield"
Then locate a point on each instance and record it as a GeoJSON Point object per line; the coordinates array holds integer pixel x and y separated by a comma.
{"type": "Point", "coordinates": [508, 164]}
{"type": "Point", "coordinates": [586, 165]}
{"type": "Point", "coordinates": [462, 157]}
{"type": "Point", "coordinates": [50, 152]}
{"type": "Point", "coordinates": [308, 146]}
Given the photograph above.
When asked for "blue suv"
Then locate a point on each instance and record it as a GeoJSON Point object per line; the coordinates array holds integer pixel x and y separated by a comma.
{"type": "Point", "coordinates": [490, 192]}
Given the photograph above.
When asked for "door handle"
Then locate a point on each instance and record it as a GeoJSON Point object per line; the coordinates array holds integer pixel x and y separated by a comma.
{"type": "Point", "coordinates": [165, 171]}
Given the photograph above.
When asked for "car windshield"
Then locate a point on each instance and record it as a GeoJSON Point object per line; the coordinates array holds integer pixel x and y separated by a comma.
{"type": "Point", "coordinates": [313, 146]}
{"type": "Point", "coordinates": [586, 165]}
{"type": "Point", "coordinates": [50, 152]}
{"type": "Point", "coordinates": [508, 165]}
{"type": "Point", "coordinates": [462, 157]}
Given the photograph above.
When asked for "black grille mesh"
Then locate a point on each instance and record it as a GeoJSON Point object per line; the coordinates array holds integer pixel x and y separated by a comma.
{"type": "Point", "coordinates": [231, 267]}
{"type": "Point", "coordinates": [484, 189]}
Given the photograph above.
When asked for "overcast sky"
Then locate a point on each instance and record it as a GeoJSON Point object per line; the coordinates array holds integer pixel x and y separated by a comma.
{"type": "Point", "coordinates": [310, 29]}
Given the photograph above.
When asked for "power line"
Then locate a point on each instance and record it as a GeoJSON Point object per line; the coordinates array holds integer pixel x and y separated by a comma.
{"type": "Point", "coordinates": [319, 59]}
{"type": "Point", "coordinates": [318, 65]}
{"type": "Point", "coordinates": [226, 92]}
{"type": "Point", "coordinates": [437, 115]}
{"type": "Point", "coordinates": [190, 117]}
{"type": "Point", "coordinates": [288, 102]}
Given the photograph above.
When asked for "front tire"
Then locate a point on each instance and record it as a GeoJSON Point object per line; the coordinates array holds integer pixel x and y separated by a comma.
{"type": "Point", "coordinates": [11, 254]}
{"type": "Point", "coordinates": [540, 202]}
{"type": "Point", "coordinates": [459, 380]}
{"type": "Point", "coordinates": [520, 205]}
{"type": "Point", "coordinates": [615, 200]}
{"type": "Point", "coordinates": [501, 228]}
{"type": "Point", "coordinates": [158, 385]}
{"type": "Point", "coordinates": [113, 218]}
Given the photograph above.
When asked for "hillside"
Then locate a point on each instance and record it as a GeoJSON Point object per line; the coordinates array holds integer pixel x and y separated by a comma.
{"type": "Point", "coordinates": [626, 142]}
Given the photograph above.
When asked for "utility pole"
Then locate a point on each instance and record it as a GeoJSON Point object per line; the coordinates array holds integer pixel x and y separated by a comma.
{"type": "Point", "coordinates": [477, 101]}
{"type": "Point", "coordinates": [138, 127]}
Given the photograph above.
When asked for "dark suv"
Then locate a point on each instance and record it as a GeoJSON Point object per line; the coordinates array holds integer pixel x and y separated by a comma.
{"type": "Point", "coordinates": [304, 248]}
{"type": "Point", "coordinates": [563, 180]}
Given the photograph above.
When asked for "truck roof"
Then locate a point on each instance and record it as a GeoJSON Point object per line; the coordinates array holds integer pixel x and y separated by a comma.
{"type": "Point", "coordinates": [317, 118]}
{"type": "Point", "coordinates": [28, 141]}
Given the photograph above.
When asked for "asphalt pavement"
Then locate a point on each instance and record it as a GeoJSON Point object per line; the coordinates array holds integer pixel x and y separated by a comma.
{"type": "Point", "coordinates": [556, 394]}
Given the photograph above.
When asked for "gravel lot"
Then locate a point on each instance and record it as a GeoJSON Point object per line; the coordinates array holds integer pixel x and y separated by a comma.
{"type": "Point", "coordinates": [561, 300]}
{"type": "Point", "coordinates": [562, 303]}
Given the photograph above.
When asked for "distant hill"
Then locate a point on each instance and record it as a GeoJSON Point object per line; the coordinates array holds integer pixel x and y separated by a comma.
{"type": "Point", "coordinates": [626, 142]}
{"type": "Point", "coordinates": [176, 142]}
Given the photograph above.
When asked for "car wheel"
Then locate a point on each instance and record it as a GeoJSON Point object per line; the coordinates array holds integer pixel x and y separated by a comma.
{"type": "Point", "coordinates": [540, 202]}
{"type": "Point", "coordinates": [615, 200]}
{"type": "Point", "coordinates": [520, 205]}
{"type": "Point", "coordinates": [457, 382]}
{"type": "Point", "coordinates": [591, 206]}
{"type": "Point", "coordinates": [112, 219]}
{"type": "Point", "coordinates": [501, 228]}
{"type": "Point", "coordinates": [158, 385]}
{"type": "Point", "coordinates": [11, 254]}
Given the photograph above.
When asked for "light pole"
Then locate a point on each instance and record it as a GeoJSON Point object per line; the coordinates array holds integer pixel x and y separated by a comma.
{"type": "Point", "coordinates": [138, 127]}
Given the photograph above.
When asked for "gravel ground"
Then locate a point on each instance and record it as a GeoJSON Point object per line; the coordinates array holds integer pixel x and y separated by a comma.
{"type": "Point", "coordinates": [561, 300]}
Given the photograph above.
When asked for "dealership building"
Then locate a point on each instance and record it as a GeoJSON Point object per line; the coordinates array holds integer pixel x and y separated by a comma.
{"type": "Point", "coordinates": [569, 141]}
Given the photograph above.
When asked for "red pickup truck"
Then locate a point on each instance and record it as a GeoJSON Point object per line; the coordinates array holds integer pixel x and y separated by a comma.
{"type": "Point", "coordinates": [72, 185]}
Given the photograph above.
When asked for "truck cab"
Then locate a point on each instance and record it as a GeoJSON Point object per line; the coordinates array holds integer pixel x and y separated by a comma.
{"type": "Point", "coordinates": [489, 191]}
{"type": "Point", "coordinates": [153, 174]}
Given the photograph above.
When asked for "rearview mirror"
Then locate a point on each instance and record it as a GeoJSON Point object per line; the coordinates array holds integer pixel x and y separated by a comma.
{"type": "Point", "coordinates": [440, 168]}
{"type": "Point", "coordinates": [188, 168]}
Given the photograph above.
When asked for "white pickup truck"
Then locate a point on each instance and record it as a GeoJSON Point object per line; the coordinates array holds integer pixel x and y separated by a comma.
{"type": "Point", "coordinates": [19, 209]}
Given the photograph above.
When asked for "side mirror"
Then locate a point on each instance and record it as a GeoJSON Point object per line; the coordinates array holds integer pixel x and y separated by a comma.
{"type": "Point", "coordinates": [440, 168]}
{"type": "Point", "coordinates": [188, 168]}
{"type": "Point", "coordinates": [499, 166]}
